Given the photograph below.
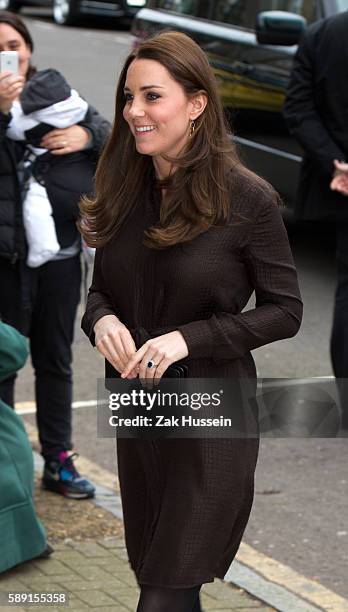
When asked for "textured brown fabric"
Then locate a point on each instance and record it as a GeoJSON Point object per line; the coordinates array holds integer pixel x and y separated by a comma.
{"type": "Point", "coordinates": [187, 502]}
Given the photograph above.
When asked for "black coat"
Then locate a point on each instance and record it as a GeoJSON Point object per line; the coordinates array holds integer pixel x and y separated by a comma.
{"type": "Point", "coordinates": [12, 240]}
{"type": "Point", "coordinates": [316, 111]}
{"type": "Point", "coordinates": [63, 181]}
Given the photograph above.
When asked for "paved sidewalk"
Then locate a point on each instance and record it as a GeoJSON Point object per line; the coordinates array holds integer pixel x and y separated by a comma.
{"type": "Point", "coordinates": [90, 562]}
{"type": "Point", "coordinates": [96, 576]}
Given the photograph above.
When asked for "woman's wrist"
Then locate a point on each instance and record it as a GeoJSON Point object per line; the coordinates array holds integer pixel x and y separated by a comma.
{"type": "Point", "coordinates": [104, 319]}
{"type": "Point", "coordinates": [90, 141]}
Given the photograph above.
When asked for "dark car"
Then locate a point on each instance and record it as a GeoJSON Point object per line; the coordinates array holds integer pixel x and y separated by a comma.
{"type": "Point", "coordinates": [70, 12]}
{"type": "Point", "coordinates": [250, 45]}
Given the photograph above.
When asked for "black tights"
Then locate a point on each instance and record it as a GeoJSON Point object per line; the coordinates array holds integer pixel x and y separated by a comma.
{"type": "Point", "coordinates": [160, 599]}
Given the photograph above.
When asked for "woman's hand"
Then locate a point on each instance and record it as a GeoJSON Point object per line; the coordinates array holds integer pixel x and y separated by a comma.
{"type": "Point", "coordinates": [340, 179]}
{"type": "Point", "coordinates": [115, 343]}
{"type": "Point", "coordinates": [162, 351]}
{"type": "Point", "coordinates": [66, 140]}
{"type": "Point", "coordinates": [11, 86]}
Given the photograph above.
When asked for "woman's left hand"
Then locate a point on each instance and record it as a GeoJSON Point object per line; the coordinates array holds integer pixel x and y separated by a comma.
{"type": "Point", "coordinates": [66, 140]}
{"type": "Point", "coordinates": [162, 351]}
{"type": "Point", "coordinates": [340, 183]}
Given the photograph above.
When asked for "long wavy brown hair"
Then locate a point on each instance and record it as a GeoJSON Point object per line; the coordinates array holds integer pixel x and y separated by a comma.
{"type": "Point", "coordinates": [197, 194]}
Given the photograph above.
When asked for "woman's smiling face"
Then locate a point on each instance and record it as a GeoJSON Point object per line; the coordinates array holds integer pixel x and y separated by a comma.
{"type": "Point", "coordinates": [157, 109]}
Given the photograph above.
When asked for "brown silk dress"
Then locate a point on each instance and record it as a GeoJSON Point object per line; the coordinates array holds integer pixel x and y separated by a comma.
{"type": "Point", "coordinates": [186, 502]}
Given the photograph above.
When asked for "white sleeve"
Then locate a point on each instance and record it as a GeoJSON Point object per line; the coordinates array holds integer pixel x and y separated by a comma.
{"type": "Point", "coordinates": [19, 122]}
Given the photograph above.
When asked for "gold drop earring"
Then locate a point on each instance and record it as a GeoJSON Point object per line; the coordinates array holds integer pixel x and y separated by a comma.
{"type": "Point", "coordinates": [192, 127]}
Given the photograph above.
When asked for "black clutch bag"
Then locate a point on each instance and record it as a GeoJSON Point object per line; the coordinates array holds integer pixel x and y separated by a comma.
{"type": "Point", "coordinates": [176, 370]}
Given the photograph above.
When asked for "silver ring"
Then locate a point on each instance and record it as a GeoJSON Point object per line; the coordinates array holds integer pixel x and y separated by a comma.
{"type": "Point", "coordinates": [151, 364]}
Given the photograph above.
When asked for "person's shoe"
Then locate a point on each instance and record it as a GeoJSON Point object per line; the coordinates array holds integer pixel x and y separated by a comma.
{"type": "Point", "coordinates": [61, 476]}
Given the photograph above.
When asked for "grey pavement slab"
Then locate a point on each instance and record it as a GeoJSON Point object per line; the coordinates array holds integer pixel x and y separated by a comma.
{"type": "Point", "coordinates": [72, 570]}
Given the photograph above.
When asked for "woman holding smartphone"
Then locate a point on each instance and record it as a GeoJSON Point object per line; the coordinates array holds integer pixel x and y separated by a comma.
{"type": "Point", "coordinates": [41, 302]}
{"type": "Point", "coordinates": [184, 235]}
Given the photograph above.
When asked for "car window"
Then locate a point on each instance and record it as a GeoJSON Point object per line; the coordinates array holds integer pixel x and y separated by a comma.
{"type": "Point", "coordinates": [342, 5]}
{"type": "Point", "coordinates": [188, 7]}
{"type": "Point", "coordinates": [234, 12]}
{"type": "Point", "coordinates": [306, 8]}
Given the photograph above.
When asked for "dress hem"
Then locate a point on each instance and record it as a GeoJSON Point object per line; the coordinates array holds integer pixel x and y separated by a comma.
{"type": "Point", "coordinates": [179, 586]}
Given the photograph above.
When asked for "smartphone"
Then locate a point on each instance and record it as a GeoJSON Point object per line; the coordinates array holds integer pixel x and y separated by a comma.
{"type": "Point", "coordinates": [9, 61]}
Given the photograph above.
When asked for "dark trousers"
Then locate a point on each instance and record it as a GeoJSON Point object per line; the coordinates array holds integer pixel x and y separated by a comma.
{"type": "Point", "coordinates": [42, 304]}
{"type": "Point", "coordinates": [339, 335]}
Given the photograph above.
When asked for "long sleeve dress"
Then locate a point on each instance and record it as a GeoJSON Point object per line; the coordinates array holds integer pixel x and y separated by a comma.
{"type": "Point", "coordinates": [186, 501]}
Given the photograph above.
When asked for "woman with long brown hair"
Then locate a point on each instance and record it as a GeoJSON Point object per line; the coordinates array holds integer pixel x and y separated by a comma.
{"type": "Point", "coordinates": [184, 235]}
